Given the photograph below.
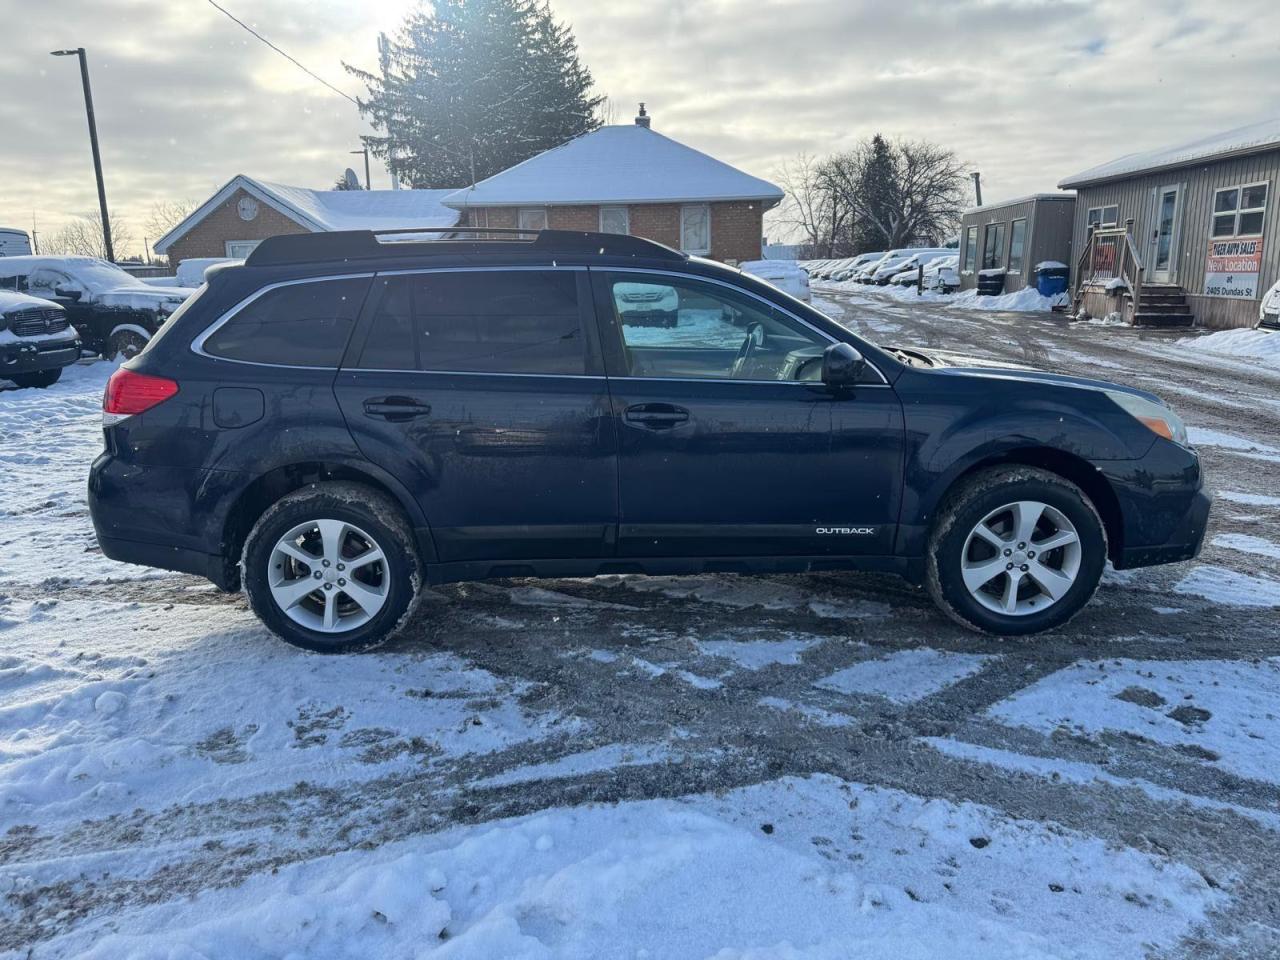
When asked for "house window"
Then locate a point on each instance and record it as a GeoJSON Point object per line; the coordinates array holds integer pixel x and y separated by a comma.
{"type": "Point", "coordinates": [993, 246]}
{"type": "Point", "coordinates": [1238, 211]}
{"type": "Point", "coordinates": [615, 220]}
{"type": "Point", "coordinates": [970, 249]}
{"type": "Point", "coordinates": [695, 228]}
{"type": "Point", "coordinates": [1017, 245]}
{"type": "Point", "coordinates": [241, 248]}
{"type": "Point", "coordinates": [1107, 216]}
{"type": "Point", "coordinates": [533, 218]}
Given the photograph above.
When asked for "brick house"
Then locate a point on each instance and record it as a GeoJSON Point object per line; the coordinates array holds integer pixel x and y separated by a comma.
{"type": "Point", "coordinates": [246, 211]}
{"type": "Point", "coordinates": [628, 179]}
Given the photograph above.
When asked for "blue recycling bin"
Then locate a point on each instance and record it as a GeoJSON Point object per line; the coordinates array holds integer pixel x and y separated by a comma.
{"type": "Point", "coordinates": [1051, 281]}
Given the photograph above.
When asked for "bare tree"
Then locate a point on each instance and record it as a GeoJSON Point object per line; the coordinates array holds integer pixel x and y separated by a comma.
{"type": "Point", "coordinates": [164, 216]}
{"type": "Point", "coordinates": [899, 192]}
{"type": "Point", "coordinates": [82, 237]}
{"type": "Point", "coordinates": [812, 207]}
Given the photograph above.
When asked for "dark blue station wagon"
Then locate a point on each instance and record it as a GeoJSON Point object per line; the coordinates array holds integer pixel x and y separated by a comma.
{"type": "Point", "coordinates": [345, 418]}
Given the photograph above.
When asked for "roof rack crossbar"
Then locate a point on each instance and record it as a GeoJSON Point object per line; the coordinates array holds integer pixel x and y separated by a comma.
{"type": "Point", "coordinates": [366, 245]}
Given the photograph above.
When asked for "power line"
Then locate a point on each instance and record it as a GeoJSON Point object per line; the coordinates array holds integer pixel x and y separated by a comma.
{"type": "Point", "coordinates": [231, 16]}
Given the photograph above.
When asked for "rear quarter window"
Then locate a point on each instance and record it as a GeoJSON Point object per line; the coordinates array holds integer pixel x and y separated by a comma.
{"type": "Point", "coordinates": [304, 324]}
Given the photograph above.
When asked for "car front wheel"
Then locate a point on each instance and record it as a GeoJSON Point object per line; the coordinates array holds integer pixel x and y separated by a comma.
{"type": "Point", "coordinates": [1015, 550]}
{"type": "Point", "coordinates": [331, 568]}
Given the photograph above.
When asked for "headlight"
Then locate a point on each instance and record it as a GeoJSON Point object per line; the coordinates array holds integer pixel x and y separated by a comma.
{"type": "Point", "coordinates": [1156, 417]}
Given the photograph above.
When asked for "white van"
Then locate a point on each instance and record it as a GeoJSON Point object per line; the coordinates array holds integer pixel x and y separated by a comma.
{"type": "Point", "coordinates": [14, 243]}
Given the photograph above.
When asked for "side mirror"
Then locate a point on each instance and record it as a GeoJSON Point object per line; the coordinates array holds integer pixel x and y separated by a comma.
{"type": "Point", "coordinates": [842, 365]}
{"type": "Point", "coordinates": [72, 295]}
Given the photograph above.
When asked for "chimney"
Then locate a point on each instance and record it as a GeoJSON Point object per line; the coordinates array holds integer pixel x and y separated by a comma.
{"type": "Point", "coordinates": [642, 118]}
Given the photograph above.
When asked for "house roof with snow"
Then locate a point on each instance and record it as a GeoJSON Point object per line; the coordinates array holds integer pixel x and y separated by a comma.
{"type": "Point", "coordinates": [1242, 141]}
{"type": "Point", "coordinates": [616, 164]}
{"type": "Point", "coordinates": [322, 211]}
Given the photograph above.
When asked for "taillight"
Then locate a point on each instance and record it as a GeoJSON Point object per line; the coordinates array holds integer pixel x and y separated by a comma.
{"type": "Point", "coordinates": [129, 393]}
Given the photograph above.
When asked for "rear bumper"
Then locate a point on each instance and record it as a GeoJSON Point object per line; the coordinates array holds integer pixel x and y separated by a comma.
{"type": "Point", "coordinates": [32, 357]}
{"type": "Point", "coordinates": [166, 557]}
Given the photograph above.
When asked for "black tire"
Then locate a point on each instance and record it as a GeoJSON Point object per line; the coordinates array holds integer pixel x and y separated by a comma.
{"type": "Point", "coordinates": [352, 503]}
{"type": "Point", "coordinates": [39, 379]}
{"type": "Point", "coordinates": [972, 501]}
{"type": "Point", "coordinates": [126, 343]}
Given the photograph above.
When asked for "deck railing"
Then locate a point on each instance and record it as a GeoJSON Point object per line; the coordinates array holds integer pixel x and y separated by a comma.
{"type": "Point", "coordinates": [1109, 254]}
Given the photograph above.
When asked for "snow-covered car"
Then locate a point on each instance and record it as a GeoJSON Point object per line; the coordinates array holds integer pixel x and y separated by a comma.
{"type": "Point", "coordinates": [114, 312]}
{"type": "Point", "coordinates": [905, 260]}
{"type": "Point", "coordinates": [191, 272]}
{"type": "Point", "coordinates": [786, 275]}
{"type": "Point", "coordinates": [647, 304]}
{"type": "Point", "coordinates": [943, 274]}
{"type": "Point", "coordinates": [1269, 311]}
{"type": "Point", "coordinates": [909, 269]}
{"type": "Point", "coordinates": [14, 242]}
{"type": "Point", "coordinates": [36, 340]}
{"type": "Point", "coordinates": [856, 265]}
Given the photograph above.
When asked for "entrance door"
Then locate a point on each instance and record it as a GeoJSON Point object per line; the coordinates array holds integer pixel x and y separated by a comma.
{"type": "Point", "coordinates": [729, 445]}
{"type": "Point", "coordinates": [1164, 234]}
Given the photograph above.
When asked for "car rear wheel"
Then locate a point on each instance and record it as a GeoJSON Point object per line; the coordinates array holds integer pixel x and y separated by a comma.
{"type": "Point", "coordinates": [331, 568]}
{"type": "Point", "coordinates": [42, 378]}
{"type": "Point", "coordinates": [1015, 550]}
{"type": "Point", "coordinates": [125, 343]}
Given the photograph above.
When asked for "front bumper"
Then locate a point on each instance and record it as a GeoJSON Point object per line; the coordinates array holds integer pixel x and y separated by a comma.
{"type": "Point", "coordinates": [1163, 505]}
{"type": "Point", "coordinates": [32, 357]}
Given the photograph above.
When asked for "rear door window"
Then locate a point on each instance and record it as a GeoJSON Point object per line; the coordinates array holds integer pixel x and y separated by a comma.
{"type": "Point", "coordinates": [304, 324]}
{"type": "Point", "coordinates": [479, 321]}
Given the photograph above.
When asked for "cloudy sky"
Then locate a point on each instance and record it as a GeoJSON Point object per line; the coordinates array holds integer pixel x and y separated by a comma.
{"type": "Point", "coordinates": [1026, 91]}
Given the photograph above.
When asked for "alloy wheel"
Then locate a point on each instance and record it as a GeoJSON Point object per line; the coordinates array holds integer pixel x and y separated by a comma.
{"type": "Point", "coordinates": [1021, 558]}
{"type": "Point", "coordinates": [328, 575]}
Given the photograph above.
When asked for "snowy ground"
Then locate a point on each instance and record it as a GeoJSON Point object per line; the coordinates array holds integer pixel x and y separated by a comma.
{"type": "Point", "coordinates": [702, 767]}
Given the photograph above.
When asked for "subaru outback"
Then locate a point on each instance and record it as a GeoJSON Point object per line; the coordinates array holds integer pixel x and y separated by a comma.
{"type": "Point", "coordinates": [345, 418]}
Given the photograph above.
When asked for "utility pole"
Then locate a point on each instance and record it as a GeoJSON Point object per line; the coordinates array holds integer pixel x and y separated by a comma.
{"type": "Point", "coordinates": [365, 151]}
{"type": "Point", "coordinates": [93, 142]}
{"type": "Point", "coordinates": [977, 186]}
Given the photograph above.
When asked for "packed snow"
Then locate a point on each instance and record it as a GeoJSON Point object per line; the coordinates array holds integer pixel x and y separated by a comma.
{"type": "Point", "coordinates": [1227, 711]}
{"type": "Point", "coordinates": [1026, 300]}
{"type": "Point", "coordinates": [906, 676]}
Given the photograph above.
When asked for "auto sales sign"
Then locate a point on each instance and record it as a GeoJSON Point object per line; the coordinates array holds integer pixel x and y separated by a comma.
{"type": "Point", "coordinates": [1232, 267]}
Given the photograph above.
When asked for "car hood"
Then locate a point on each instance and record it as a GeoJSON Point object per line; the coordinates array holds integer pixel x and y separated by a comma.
{"type": "Point", "coordinates": [143, 296]}
{"type": "Point", "coordinates": [959, 365]}
{"type": "Point", "coordinates": [10, 300]}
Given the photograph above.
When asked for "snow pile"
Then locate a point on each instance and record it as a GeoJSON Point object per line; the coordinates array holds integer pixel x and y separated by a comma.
{"type": "Point", "coordinates": [1237, 343]}
{"type": "Point", "coordinates": [814, 868]}
{"type": "Point", "coordinates": [1026, 300]}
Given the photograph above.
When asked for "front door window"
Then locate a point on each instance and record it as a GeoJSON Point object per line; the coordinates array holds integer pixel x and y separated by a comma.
{"type": "Point", "coordinates": [1166, 215]}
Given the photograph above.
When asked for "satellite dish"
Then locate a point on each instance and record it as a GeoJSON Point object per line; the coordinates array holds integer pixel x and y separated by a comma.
{"type": "Point", "coordinates": [352, 181]}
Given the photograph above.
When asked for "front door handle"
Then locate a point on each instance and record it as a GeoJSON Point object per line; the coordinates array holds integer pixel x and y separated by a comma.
{"type": "Point", "coordinates": [396, 409]}
{"type": "Point", "coordinates": [656, 416]}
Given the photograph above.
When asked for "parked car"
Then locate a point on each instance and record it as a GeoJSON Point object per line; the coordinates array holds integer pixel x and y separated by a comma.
{"type": "Point", "coordinates": [115, 313]}
{"type": "Point", "coordinates": [908, 271]}
{"type": "Point", "coordinates": [645, 305]}
{"type": "Point", "coordinates": [450, 420]}
{"type": "Point", "coordinates": [191, 272]}
{"type": "Point", "coordinates": [786, 275]}
{"type": "Point", "coordinates": [1269, 310]}
{"type": "Point", "coordinates": [943, 274]}
{"type": "Point", "coordinates": [36, 340]}
{"type": "Point", "coordinates": [851, 269]}
{"type": "Point", "coordinates": [890, 265]}
{"type": "Point", "coordinates": [14, 242]}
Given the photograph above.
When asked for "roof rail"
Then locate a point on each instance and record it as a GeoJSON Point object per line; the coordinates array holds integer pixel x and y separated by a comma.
{"type": "Point", "coordinates": [370, 244]}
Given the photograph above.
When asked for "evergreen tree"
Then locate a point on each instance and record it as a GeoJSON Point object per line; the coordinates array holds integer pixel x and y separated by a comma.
{"type": "Point", "coordinates": [877, 194]}
{"type": "Point", "coordinates": [473, 87]}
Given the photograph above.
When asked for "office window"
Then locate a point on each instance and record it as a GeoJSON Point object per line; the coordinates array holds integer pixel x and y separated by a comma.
{"type": "Point", "coordinates": [1108, 216]}
{"type": "Point", "coordinates": [993, 246]}
{"type": "Point", "coordinates": [1239, 211]}
{"type": "Point", "coordinates": [970, 249]}
{"type": "Point", "coordinates": [1017, 245]}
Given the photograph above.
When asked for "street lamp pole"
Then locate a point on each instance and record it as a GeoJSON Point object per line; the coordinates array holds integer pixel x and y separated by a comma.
{"type": "Point", "coordinates": [93, 142]}
{"type": "Point", "coordinates": [365, 151]}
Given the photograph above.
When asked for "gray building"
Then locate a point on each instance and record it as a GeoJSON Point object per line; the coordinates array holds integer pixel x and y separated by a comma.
{"type": "Point", "coordinates": [1185, 234]}
{"type": "Point", "coordinates": [1015, 236]}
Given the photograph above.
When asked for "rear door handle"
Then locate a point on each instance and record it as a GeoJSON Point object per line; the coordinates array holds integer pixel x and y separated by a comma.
{"type": "Point", "coordinates": [396, 408]}
{"type": "Point", "coordinates": [656, 416]}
